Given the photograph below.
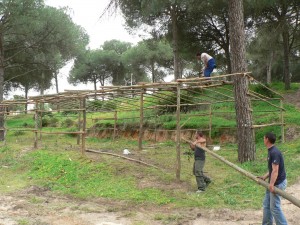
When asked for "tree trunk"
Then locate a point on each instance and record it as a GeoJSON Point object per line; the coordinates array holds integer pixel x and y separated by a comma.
{"type": "Point", "coordinates": [228, 61]}
{"type": "Point", "coordinates": [286, 56]}
{"type": "Point", "coordinates": [56, 81]}
{"type": "Point", "coordinates": [152, 71]}
{"type": "Point", "coordinates": [26, 97]}
{"type": "Point", "coordinates": [2, 137]}
{"type": "Point", "coordinates": [269, 71]}
{"type": "Point", "coordinates": [175, 41]}
{"type": "Point", "coordinates": [245, 135]}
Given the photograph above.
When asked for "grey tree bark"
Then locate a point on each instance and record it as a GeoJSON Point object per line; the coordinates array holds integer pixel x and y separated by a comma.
{"type": "Point", "coordinates": [269, 69]}
{"type": "Point", "coordinates": [245, 135]}
{"type": "Point", "coordinates": [2, 136]}
{"type": "Point", "coordinates": [175, 42]}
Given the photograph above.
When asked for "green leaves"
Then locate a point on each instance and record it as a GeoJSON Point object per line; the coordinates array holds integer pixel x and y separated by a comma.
{"type": "Point", "coordinates": [38, 40]}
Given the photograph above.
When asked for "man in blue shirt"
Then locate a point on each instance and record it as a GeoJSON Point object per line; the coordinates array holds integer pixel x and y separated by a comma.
{"type": "Point", "coordinates": [277, 178]}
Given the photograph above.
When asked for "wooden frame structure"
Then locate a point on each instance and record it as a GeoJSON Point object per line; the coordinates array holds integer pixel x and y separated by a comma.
{"type": "Point", "coordinates": [212, 92]}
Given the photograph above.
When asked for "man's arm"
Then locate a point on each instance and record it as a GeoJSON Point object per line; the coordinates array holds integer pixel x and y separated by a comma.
{"type": "Point", "coordinates": [192, 146]}
{"type": "Point", "coordinates": [274, 176]}
{"type": "Point", "coordinates": [264, 177]}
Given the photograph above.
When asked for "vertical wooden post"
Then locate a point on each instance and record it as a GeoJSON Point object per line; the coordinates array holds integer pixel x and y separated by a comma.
{"type": "Point", "coordinates": [210, 120]}
{"type": "Point", "coordinates": [282, 121]}
{"type": "Point", "coordinates": [141, 120]}
{"type": "Point", "coordinates": [155, 128]}
{"type": "Point", "coordinates": [115, 125]}
{"type": "Point", "coordinates": [4, 123]}
{"type": "Point", "coordinates": [36, 125]}
{"type": "Point", "coordinates": [40, 116]}
{"type": "Point", "coordinates": [178, 164]}
{"type": "Point", "coordinates": [83, 125]}
{"type": "Point", "coordinates": [79, 122]}
{"type": "Point", "coordinates": [2, 129]}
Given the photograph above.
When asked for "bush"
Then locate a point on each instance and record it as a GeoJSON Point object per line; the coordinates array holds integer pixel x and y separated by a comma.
{"type": "Point", "coordinates": [73, 129]}
{"type": "Point", "coordinates": [45, 122]}
{"type": "Point", "coordinates": [67, 123]}
{"type": "Point", "coordinates": [49, 122]}
{"type": "Point", "coordinates": [263, 90]}
{"type": "Point", "coordinates": [19, 133]}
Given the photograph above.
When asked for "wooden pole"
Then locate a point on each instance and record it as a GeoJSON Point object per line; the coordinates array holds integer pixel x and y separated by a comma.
{"type": "Point", "coordinates": [83, 126]}
{"type": "Point", "coordinates": [115, 125]}
{"type": "Point", "coordinates": [261, 182]}
{"type": "Point", "coordinates": [141, 121]}
{"type": "Point", "coordinates": [251, 114]}
{"type": "Point", "coordinates": [123, 157]}
{"type": "Point", "coordinates": [155, 128]}
{"type": "Point", "coordinates": [178, 162]}
{"type": "Point", "coordinates": [210, 120]}
{"type": "Point", "coordinates": [282, 122]}
{"type": "Point", "coordinates": [36, 125]}
{"type": "Point", "coordinates": [79, 122]}
{"type": "Point", "coordinates": [40, 116]}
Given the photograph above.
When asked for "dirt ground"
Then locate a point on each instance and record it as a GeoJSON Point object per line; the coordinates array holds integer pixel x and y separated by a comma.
{"type": "Point", "coordinates": [38, 206]}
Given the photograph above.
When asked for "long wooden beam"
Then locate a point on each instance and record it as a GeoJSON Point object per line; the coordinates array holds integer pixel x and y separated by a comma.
{"type": "Point", "coordinates": [261, 182]}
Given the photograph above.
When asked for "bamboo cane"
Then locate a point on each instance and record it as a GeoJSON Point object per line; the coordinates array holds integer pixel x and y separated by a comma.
{"type": "Point", "coordinates": [123, 157]}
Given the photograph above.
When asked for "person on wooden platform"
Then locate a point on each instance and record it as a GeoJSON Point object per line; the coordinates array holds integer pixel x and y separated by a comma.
{"type": "Point", "coordinates": [209, 63]}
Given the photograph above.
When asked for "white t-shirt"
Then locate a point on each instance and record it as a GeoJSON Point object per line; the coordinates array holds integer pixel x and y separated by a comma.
{"type": "Point", "coordinates": [205, 57]}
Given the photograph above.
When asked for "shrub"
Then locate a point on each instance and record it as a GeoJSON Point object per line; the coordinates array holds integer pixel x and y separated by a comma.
{"type": "Point", "coordinates": [45, 122]}
{"type": "Point", "coordinates": [263, 90]}
{"type": "Point", "coordinates": [18, 133]}
{"type": "Point", "coordinates": [67, 123]}
{"type": "Point", "coordinates": [73, 129]}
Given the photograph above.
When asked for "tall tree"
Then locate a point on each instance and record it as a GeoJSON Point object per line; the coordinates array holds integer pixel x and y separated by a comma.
{"type": "Point", "coordinates": [94, 66]}
{"type": "Point", "coordinates": [284, 17]}
{"type": "Point", "coordinates": [245, 135]}
{"type": "Point", "coordinates": [161, 15]}
{"type": "Point", "coordinates": [264, 53]}
{"type": "Point", "coordinates": [40, 38]}
{"type": "Point", "coordinates": [205, 28]}
{"type": "Point", "coordinates": [149, 57]}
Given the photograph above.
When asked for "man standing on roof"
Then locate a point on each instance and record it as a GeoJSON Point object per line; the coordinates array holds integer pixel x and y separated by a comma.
{"type": "Point", "coordinates": [209, 63]}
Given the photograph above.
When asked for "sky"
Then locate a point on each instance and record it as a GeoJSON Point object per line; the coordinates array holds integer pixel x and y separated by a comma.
{"type": "Point", "coordinates": [87, 14]}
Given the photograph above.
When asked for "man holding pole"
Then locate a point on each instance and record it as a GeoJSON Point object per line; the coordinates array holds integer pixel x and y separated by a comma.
{"type": "Point", "coordinates": [277, 178]}
{"type": "Point", "coordinates": [199, 153]}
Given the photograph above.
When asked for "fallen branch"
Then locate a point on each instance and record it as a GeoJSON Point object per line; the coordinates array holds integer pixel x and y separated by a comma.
{"type": "Point", "coordinates": [261, 182]}
{"type": "Point", "coordinates": [123, 157]}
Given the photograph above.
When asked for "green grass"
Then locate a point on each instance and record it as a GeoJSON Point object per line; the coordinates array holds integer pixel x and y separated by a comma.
{"type": "Point", "coordinates": [58, 164]}
{"type": "Point", "coordinates": [67, 172]}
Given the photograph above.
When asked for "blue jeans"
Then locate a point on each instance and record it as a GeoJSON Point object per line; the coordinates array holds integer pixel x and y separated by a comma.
{"type": "Point", "coordinates": [272, 207]}
{"type": "Point", "coordinates": [211, 64]}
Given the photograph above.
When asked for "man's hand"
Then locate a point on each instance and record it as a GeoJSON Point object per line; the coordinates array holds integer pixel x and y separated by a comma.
{"type": "Point", "coordinates": [271, 188]}
{"type": "Point", "coordinates": [261, 177]}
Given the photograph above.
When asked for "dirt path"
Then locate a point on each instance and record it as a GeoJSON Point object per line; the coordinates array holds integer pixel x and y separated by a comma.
{"type": "Point", "coordinates": [36, 206]}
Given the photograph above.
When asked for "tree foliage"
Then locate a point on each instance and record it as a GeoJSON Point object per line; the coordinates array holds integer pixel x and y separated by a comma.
{"type": "Point", "coordinates": [149, 57]}
{"type": "Point", "coordinates": [37, 41]}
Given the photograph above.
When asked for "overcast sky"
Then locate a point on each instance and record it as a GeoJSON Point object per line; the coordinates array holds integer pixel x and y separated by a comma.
{"type": "Point", "coordinates": [86, 13]}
